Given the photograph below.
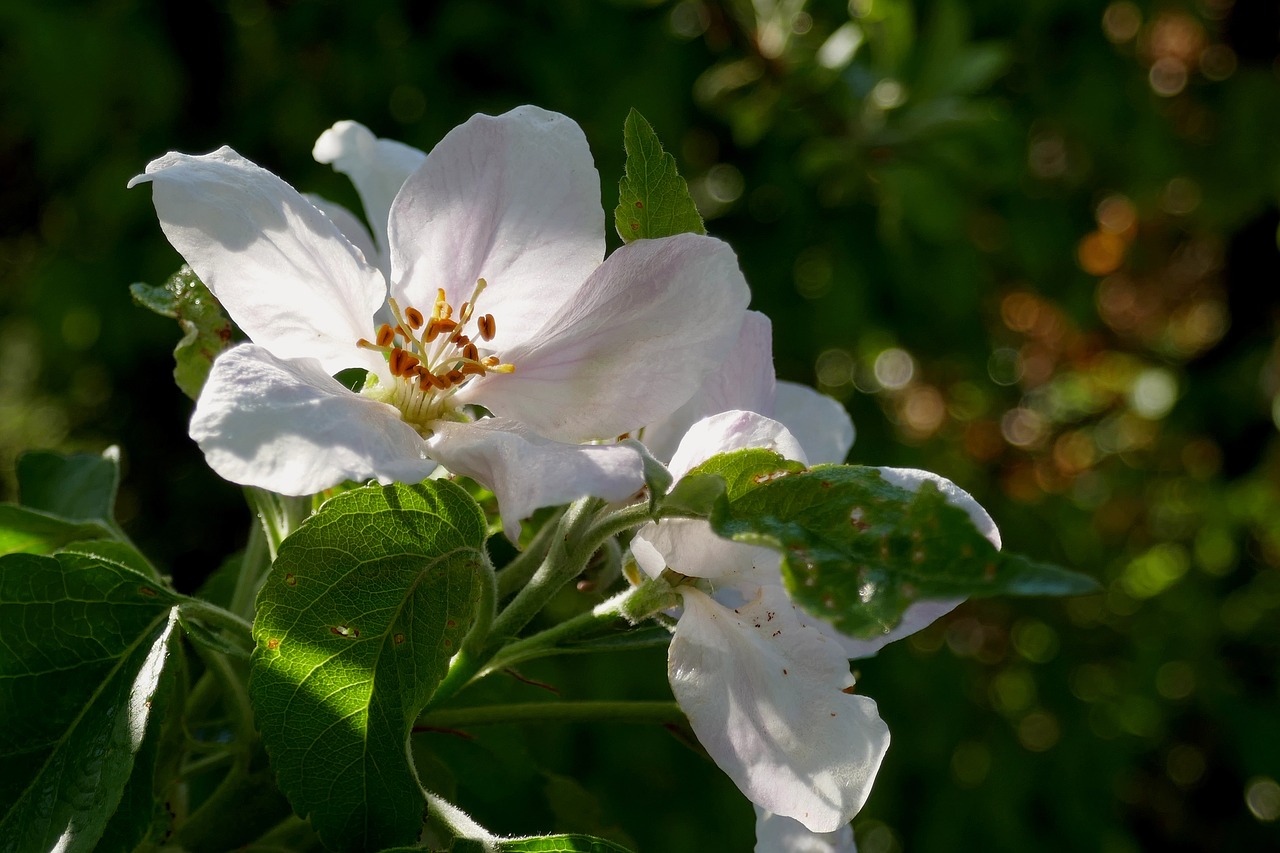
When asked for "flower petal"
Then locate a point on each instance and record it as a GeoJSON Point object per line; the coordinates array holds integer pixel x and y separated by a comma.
{"type": "Point", "coordinates": [513, 199]}
{"type": "Point", "coordinates": [778, 834]}
{"type": "Point", "coordinates": [287, 426]}
{"type": "Point", "coordinates": [348, 223]}
{"type": "Point", "coordinates": [729, 431]}
{"type": "Point", "coordinates": [636, 341]}
{"type": "Point", "coordinates": [743, 381]}
{"type": "Point", "coordinates": [526, 471]}
{"type": "Point", "coordinates": [279, 266]}
{"type": "Point", "coordinates": [377, 167]}
{"type": "Point", "coordinates": [764, 696]}
{"type": "Point", "coordinates": [913, 478]}
{"type": "Point", "coordinates": [692, 548]}
{"type": "Point", "coordinates": [821, 424]}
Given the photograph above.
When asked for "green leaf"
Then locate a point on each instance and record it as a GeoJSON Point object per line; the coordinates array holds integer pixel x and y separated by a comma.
{"type": "Point", "coordinates": [858, 550]}
{"type": "Point", "coordinates": [81, 487]}
{"type": "Point", "coordinates": [365, 605]}
{"type": "Point", "coordinates": [84, 645]}
{"type": "Point", "coordinates": [656, 476]}
{"type": "Point", "coordinates": [653, 200]}
{"type": "Point", "coordinates": [28, 531]}
{"type": "Point", "coordinates": [560, 844]}
{"type": "Point", "coordinates": [206, 328]}
{"type": "Point", "coordinates": [728, 475]}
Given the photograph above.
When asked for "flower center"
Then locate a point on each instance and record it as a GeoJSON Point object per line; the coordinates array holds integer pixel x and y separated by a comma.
{"type": "Point", "coordinates": [432, 356]}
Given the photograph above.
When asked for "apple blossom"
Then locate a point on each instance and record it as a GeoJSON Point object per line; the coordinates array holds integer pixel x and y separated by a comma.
{"type": "Point", "coordinates": [497, 297]}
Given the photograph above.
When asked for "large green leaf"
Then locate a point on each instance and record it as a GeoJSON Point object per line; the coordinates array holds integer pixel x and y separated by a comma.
{"type": "Point", "coordinates": [80, 487]}
{"type": "Point", "coordinates": [206, 329]}
{"type": "Point", "coordinates": [858, 550]}
{"type": "Point", "coordinates": [366, 603]}
{"type": "Point", "coordinates": [653, 200]}
{"type": "Point", "coordinates": [84, 644]}
{"type": "Point", "coordinates": [29, 531]}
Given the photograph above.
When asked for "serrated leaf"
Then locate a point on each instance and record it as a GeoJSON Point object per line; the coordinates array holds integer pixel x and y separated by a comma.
{"type": "Point", "coordinates": [29, 531]}
{"type": "Point", "coordinates": [83, 650]}
{"type": "Point", "coordinates": [206, 329]}
{"type": "Point", "coordinates": [653, 200]}
{"type": "Point", "coordinates": [365, 605]}
{"type": "Point", "coordinates": [80, 487]}
{"type": "Point", "coordinates": [858, 550]}
{"type": "Point", "coordinates": [560, 844]}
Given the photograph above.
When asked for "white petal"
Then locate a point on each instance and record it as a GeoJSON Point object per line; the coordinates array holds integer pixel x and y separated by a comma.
{"type": "Point", "coordinates": [912, 478]}
{"type": "Point", "coordinates": [526, 471]}
{"type": "Point", "coordinates": [744, 381]}
{"type": "Point", "coordinates": [778, 834]}
{"type": "Point", "coordinates": [729, 431]}
{"type": "Point", "coordinates": [635, 342]}
{"type": "Point", "coordinates": [691, 547]}
{"type": "Point", "coordinates": [916, 617]}
{"type": "Point", "coordinates": [349, 224]}
{"type": "Point", "coordinates": [289, 427]}
{"type": "Point", "coordinates": [822, 425]}
{"type": "Point", "coordinates": [764, 696]}
{"type": "Point", "coordinates": [377, 167]}
{"type": "Point", "coordinates": [513, 199]}
{"type": "Point", "coordinates": [279, 266]}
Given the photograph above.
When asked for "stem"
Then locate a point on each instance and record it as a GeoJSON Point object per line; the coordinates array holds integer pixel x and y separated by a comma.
{"type": "Point", "coordinates": [631, 606]}
{"type": "Point", "coordinates": [206, 611]}
{"type": "Point", "coordinates": [471, 653]}
{"type": "Point", "coordinates": [662, 713]}
{"type": "Point", "coordinates": [253, 568]}
{"type": "Point", "coordinates": [517, 573]}
{"type": "Point", "coordinates": [457, 822]}
{"type": "Point", "coordinates": [565, 559]}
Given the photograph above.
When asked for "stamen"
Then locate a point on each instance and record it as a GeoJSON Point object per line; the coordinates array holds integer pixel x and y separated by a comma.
{"type": "Point", "coordinates": [438, 311]}
{"type": "Point", "coordinates": [444, 324]}
{"type": "Point", "coordinates": [385, 335]}
{"type": "Point", "coordinates": [460, 339]}
{"type": "Point", "coordinates": [414, 316]}
{"type": "Point", "coordinates": [469, 369]}
{"type": "Point", "coordinates": [491, 361]}
{"type": "Point", "coordinates": [470, 352]}
{"type": "Point", "coordinates": [455, 376]}
{"type": "Point", "coordinates": [488, 328]}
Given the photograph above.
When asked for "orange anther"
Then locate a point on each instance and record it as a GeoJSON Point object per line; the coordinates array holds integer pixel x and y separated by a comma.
{"type": "Point", "coordinates": [491, 361]}
{"type": "Point", "coordinates": [414, 316]}
{"type": "Point", "coordinates": [473, 370]}
{"type": "Point", "coordinates": [385, 335]}
{"type": "Point", "coordinates": [444, 324]}
{"type": "Point", "coordinates": [487, 327]}
{"type": "Point", "coordinates": [470, 352]}
{"type": "Point", "coordinates": [455, 376]}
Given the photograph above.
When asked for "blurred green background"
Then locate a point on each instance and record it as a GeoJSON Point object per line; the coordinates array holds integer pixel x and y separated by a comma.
{"type": "Point", "coordinates": [1031, 244]}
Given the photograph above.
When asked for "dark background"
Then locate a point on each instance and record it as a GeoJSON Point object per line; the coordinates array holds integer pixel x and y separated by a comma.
{"type": "Point", "coordinates": [1031, 245]}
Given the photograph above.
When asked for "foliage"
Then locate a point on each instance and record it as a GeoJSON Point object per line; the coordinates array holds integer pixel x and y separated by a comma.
{"type": "Point", "coordinates": [1021, 242]}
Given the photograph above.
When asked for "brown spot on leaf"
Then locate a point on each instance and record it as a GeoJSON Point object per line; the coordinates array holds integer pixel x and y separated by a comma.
{"type": "Point", "coordinates": [273, 644]}
{"type": "Point", "coordinates": [639, 205]}
{"type": "Point", "coordinates": [350, 632]}
{"type": "Point", "coordinates": [399, 638]}
{"type": "Point", "coordinates": [147, 591]}
{"type": "Point", "coordinates": [291, 579]}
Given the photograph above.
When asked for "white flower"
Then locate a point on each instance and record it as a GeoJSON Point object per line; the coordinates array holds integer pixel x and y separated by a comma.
{"type": "Point", "coordinates": [778, 834]}
{"type": "Point", "coordinates": [762, 682]}
{"type": "Point", "coordinates": [498, 298]}
{"type": "Point", "coordinates": [768, 694]}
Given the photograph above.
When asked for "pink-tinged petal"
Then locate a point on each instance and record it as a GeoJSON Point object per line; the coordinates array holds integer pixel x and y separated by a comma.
{"type": "Point", "coordinates": [287, 426]}
{"type": "Point", "coordinates": [923, 613]}
{"type": "Point", "coordinates": [743, 381]}
{"type": "Point", "coordinates": [377, 167]}
{"type": "Point", "coordinates": [692, 548]}
{"type": "Point", "coordinates": [526, 471]}
{"type": "Point", "coordinates": [822, 425]}
{"type": "Point", "coordinates": [778, 834]}
{"type": "Point", "coordinates": [279, 266]}
{"type": "Point", "coordinates": [764, 694]}
{"type": "Point", "coordinates": [729, 431]}
{"type": "Point", "coordinates": [513, 199]}
{"type": "Point", "coordinates": [637, 340]}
